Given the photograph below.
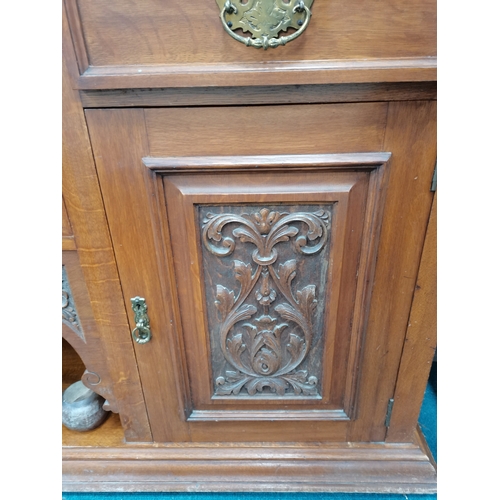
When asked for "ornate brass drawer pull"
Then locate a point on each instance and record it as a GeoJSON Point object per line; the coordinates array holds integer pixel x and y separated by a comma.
{"type": "Point", "coordinates": [141, 333]}
{"type": "Point", "coordinates": [264, 19]}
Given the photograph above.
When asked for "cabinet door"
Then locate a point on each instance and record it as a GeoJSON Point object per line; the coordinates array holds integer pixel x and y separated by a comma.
{"type": "Point", "coordinates": [255, 236]}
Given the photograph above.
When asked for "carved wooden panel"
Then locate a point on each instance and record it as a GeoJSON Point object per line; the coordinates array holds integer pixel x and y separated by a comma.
{"type": "Point", "coordinates": [265, 270]}
{"type": "Point", "coordinates": [271, 281]}
{"type": "Point", "coordinates": [161, 255]}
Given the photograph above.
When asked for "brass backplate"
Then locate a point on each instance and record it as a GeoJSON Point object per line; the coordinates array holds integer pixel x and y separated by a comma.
{"type": "Point", "coordinates": [265, 19]}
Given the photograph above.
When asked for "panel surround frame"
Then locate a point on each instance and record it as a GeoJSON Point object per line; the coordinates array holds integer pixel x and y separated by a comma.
{"type": "Point", "coordinates": [375, 165]}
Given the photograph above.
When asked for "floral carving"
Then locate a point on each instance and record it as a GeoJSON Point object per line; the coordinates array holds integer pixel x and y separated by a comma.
{"type": "Point", "coordinates": [265, 351]}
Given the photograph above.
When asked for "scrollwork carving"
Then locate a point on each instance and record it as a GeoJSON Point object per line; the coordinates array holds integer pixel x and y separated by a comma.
{"type": "Point", "coordinates": [91, 378]}
{"type": "Point", "coordinates": [266, 341]}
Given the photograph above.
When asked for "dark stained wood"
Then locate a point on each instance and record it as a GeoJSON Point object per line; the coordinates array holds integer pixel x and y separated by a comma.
{"type": "Point", "coordinates": [352, 467]}
{"type": "Point", "coordinates": [96, 257]}
{"type": "Point", "coordinates": [258, 130]}
{"type": "Point", "coordinates": [262, 352]}
{"type": "Point", "coordinates": [183, 194]}
{"type": "Point", "coordinates": [411, 138]}
{"type": "Point", "coordinates": [282, 94]}
{"type": "Point", "coordinates": [420, 341]}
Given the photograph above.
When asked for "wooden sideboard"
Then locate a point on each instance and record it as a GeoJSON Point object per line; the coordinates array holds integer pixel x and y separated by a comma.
{"type": "Point", "coordinates": [249, 244]}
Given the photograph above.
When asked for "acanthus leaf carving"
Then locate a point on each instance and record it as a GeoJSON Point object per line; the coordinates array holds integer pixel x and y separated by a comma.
{"type": "Point", "coordinates": [225, 300]}
{"type": "Point", "coordinates": [306, 299]}
{"type": "Point", "coordinates": [265, 351]}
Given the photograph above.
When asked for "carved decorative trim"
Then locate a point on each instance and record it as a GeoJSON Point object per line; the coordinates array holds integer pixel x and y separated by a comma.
{"type": "Point", "coordinates": [69, 314]}
{"type": "Point", "coordinates": [266, 330]}
{"type": "Point", "coordinates": [90, 379]}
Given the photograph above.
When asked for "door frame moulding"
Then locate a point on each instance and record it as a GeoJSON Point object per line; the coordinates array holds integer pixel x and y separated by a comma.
{"type": "Point", "coordinates": [378, 166]}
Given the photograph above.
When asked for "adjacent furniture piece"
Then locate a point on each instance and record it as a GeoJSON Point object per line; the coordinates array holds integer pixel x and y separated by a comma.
{"type": "Point", "coordinates": [249, 243]}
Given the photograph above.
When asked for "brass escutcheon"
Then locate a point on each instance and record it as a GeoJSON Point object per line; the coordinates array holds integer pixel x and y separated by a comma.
{"type": "Point", "coordinates": [141, 333]}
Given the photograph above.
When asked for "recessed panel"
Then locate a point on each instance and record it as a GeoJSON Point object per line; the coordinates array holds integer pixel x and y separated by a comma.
{"type": "Point", "coordinates": [265, 271]}
{"type": "Point", "coordinates": [266, 277]}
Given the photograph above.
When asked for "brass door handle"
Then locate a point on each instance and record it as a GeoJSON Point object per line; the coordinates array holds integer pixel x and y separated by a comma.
{"type": "Point", "coordinates": [141, 333]}
{"type": "Point", "coordinates": [264, 19]}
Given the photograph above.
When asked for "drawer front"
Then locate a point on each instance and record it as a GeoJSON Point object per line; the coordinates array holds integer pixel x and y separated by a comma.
{"type": "Point", "coordinates": [179, 32]}
{"type": "Point", "coordinates": [150, 40]}
{"type": "Point", "coordinates": [256, 246]}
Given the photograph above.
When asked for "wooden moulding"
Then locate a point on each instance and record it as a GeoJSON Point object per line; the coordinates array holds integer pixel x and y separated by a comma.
{"type": "Point", "coordinates": [283, 94]}
{"type": "Point", "coordinates": [346, 467]}
{"type": "Point", "coordinates": [296, 73]}
{"type": "Point", "coordinates": [262, 162]}
{"type": "Point", "coordinates": [323, 188]}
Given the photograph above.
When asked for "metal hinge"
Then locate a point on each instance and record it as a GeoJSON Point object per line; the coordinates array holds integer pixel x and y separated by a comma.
{"type": "Point", "coordinates": [388, 415]}
{"type": "Point", "coordinates": [434, 180]}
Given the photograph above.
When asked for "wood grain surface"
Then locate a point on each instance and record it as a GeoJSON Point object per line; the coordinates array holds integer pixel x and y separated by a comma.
{"type": "Point", "coordinates": [411, 138]}
{"type": "Point", "coordinates": [119, 380]}
{"type": "Point", "coordinates": [177, 32]}
{"type": "Point", "coordinates": [296, 73]}
{"type": "Point", "coordinates": [420, 341]}
{"type": "Point", "coordinates": [156, 132]}
{"type": "Point", "coordinates": [345, 193]}
{"type": "Point", "coordinates": [266, 130]}
{"type": "Point", "coordinates": [361, 467]}
{"type": "Point", "coordinates": [164, 115]}
{"type": "Point", "coordinates": [282, 94]}
{"type": "Point", "coordinates": [66, 224]}
{"type": "Point", "coordinates": [68, 240]}
{"type": "Point", "coordinates": [175, 44]}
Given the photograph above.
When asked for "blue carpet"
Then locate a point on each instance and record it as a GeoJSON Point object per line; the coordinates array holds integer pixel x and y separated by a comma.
{"type": "Point", "coordinates": [427, 422]}
{"type": "Point", "coordinates": [243, 496]}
